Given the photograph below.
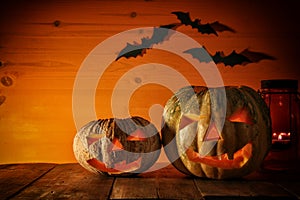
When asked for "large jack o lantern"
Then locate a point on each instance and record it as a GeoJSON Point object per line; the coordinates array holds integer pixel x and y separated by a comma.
{"type": "Point", "coordinates": [117, 146]}
{"type": "Point", "coordinates": [199, 140]}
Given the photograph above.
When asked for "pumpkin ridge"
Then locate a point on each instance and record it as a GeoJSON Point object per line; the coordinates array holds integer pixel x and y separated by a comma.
{"type": "Point", "coordinates": [169, 138]}
{"type": "Point", "coordinates": [235, 100]}
{"type": "Point", "coordinates": [265, 118]}
{"type": "Point", "coordinates": [101, 157]}
{"type": "Point", "coordinates": [234, 134]}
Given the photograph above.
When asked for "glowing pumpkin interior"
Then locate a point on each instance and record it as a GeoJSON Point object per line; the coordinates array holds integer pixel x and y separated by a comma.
{"type": "Point", "coordinates": [240, 157]}
{"type": "Point", "coordinates": [115, 145]}
{"type": "Point", "coordinates": [215, 138]}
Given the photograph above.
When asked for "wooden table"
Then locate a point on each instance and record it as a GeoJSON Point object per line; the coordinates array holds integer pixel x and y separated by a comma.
{"type": "Point", "coordinates": [71, 181]}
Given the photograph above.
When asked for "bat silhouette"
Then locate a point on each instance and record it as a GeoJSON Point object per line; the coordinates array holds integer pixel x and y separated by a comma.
{"type": "Point", "coordinates": [209, 28]}
{"type": "Point", "coordinates": [159, 35]}
{"type": "Point", "coordinates": [234, 58]}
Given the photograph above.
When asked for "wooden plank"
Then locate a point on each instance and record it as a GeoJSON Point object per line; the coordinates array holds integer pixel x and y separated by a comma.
{"type": "Point", "coordinates": [178, 188]}
{"type": "Point", "coordinates": [163, 170]}
{"type": "Point", "coordinates": [71, 181]}
{"type": "Point", "coordinates": [292, 187]}
{"type": "Point", "coordinates": [68, 181]}
{"type": "Point", "coordinates": [5, 166]}
{"type": "Point", "coordinates": [45, 57]}
{"type": "Point", "coordinates": [134, 188]}
{"type": "Point", "coordinates": [275, 176]}
{"type": "Point", "coordinates": [164, 183]}
{"type": "Point", "coordinates": [215, 189]}
{"type": "Point", "coordinates": [14, 178]}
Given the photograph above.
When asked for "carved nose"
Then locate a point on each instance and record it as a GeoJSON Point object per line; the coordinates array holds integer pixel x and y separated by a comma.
{"type": "Point", "coordinates": [209, 140]}
{"type": "Point", "coordinates": [212, 133]}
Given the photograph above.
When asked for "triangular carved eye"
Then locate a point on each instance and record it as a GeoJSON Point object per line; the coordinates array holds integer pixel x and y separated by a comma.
{"type": "Point", "coordinates": [94, 137]}
{"type": "Point", "coordinates": [189, 118]}
{"type": "Point", "coordinates": [116, 145]}
{"type": "Point", "coordinates": [137, 135]}
{"type": "Point", "coordinates": [241, 115]}
{"type": "Point", "coordinates": [185, 121]}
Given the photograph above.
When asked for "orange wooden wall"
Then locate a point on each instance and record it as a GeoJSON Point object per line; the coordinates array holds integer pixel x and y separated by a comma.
{"type": "Point", "coordinates": [43, 43]}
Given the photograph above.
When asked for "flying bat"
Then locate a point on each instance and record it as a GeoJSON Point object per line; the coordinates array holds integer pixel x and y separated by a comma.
{"type": "Point", "coordinates": [234, 58]}
{"type": "Point", "coordinates": [208, 28]}
{"type": "Point", "coordinates": [159, 35]}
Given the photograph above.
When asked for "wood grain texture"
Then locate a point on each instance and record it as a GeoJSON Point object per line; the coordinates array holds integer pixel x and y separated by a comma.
{"type": "Point", "coordinates": [71, 181]}
{"type": "Point", "coordinates": [134, 188]}
{"type": "Point", "coordinates": [15, 178]}
{"type": "Point", "coordinates": [174, 188]}
{"type": "Point", "coordinates": [241, 189]}
{"type": "Point", "coordinates": [43, 44]}
{"type": "Point", "coordinates": [68, 181]}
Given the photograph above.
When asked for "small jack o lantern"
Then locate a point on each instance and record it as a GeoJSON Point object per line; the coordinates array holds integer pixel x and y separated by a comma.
{"type": "Point", "coordinates": [117, 146]}
{"type": "Point", "coordinates": [199, 140]}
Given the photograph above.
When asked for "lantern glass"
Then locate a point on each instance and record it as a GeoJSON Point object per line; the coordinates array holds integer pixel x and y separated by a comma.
{"type": "Point", "coordinates": [282, 98]}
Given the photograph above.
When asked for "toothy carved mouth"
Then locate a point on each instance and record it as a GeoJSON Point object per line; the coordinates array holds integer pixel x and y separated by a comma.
{"type": "Point", "coordinates": [240, 158]}
{"type": "Point", "coordinates": [119, 168]}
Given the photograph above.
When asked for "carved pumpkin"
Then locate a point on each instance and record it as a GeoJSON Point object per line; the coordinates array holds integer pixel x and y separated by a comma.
{"type": "Point", "coordinates": [199, 140]}
{"type": "Point", "coordinates": [117, 146]}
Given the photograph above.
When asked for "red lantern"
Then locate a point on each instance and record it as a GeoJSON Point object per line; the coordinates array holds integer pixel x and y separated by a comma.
{"type": "Point", "coordinates": [282, 98]}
